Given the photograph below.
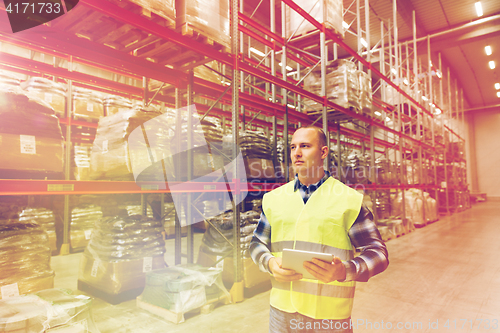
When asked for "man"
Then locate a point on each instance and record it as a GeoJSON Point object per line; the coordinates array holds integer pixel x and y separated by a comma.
{"type": "Point", "coordinates": [318, 213]}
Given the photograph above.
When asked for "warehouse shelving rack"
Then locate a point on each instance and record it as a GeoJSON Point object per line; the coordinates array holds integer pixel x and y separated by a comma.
{"type": "Point", "coordinates": [267, 108]}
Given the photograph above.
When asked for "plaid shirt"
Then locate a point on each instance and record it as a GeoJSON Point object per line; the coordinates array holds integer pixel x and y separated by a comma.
{"type": "Point", "coordinates": [364, 236]}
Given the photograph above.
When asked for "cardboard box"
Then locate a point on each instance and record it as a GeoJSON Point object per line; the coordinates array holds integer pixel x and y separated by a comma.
{"type": "Point", "coordinates": [88, 109]}
{"type": "Point", "coordinates": [57, 101]}
{"type": "Point", "coordinates": [31, 153]}
{"type": "Point", "coordinates": [259, 168]}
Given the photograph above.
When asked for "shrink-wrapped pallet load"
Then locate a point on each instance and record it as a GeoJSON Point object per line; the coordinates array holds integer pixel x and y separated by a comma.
{"type": "Point", "coordinates": [365, 92]}
{"type": "Point", "coordinates": [30, 137]}
{"type": "Point", "coordinates": [87, 104]}
{"type": "Point", "coordinates": [114, 104]}
{"type": "Point", "coordinates": [163, 8]}
{"type": "Point", "coordinates": [83, 220]}
{"type": "Point", "coordinates": [120, 252]}
{"type": "Point", "coordinates": [81, 161]}
{"type": "Point", "coordinates": [46, 219]}
{"type": "Point", "coordinates": [208, 18]}
{"type": "Point", "coordinates": [342, 85]}
{"type": "Point", "coordinates": [256, 151]}
{"type": "Point", "coordinates": [327, 12]}
{"type": "Point", "coordinates": [112, 156]}
{"type": "Point", "coordinates": [53, 93]}
{"type": "Point", "coordinates": [50, 310]}
{"type": "Point", "coordinates": [9, 81]}
{"type": "Point", "coordinates": [220, 231]}
{"type": "Point", "coordinates": [183, 288]}
{"type": "Point", "coordinates": [25, 258]}
{"type": "Point", "coordinates": [206, 147]}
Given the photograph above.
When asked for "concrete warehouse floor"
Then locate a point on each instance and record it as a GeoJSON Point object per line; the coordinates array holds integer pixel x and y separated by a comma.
{"type": "Point", "coordinates": [441, 278]}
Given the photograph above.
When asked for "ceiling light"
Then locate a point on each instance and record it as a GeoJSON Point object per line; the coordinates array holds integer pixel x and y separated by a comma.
{"type": "Point", "coordinates": [438, 111]}
{"type": "Point", "coordinates": [378, 113]}
{"type": "Point", "coordinates": [425, 98]}
{"type": "Point", "coordinates": [498, 94]}
{"type": "Point", "coordinates": [387, 119]}
{"type": "Point", "coordinates": [438, 74]}
{"type": "Point", "coordinates": [257, 52]}
{"type": "Point", "coordinates": [497, 86]}
{"type": "Point", "coordinates": [394, 71]}
{"type": "Point", "coordinates": [363, 42]}
{"type": "Point", "coordinates": [487, 49]}
{"type": "Point", "coordinates": [405, 81]}
{"type": "Point", "coordinates": [492, 64]}
{"type": "Point", "coordinates": [291, 73]}
{"type": "Point", "coordinates": [287, 67]}
{"type": "Point", "coordinates": [479, 9]}
{"type": "Point", "coordinates": [345, 25]}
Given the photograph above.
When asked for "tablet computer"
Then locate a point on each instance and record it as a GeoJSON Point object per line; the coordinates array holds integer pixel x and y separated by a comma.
{"type": "Point", "coordinates": [294, 259]}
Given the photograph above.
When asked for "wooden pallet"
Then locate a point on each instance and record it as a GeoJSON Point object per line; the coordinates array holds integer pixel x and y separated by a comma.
{"type": "Point", "coordinates": [178, 317]}
{"type": "Point", "coordinates": [110, 298]}
{"type": "Point", "coordinates": [203, 37]}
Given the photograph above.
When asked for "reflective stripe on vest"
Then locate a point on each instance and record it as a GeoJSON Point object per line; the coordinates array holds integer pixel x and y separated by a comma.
{"type": "Point", "coordinates": [321, 225]}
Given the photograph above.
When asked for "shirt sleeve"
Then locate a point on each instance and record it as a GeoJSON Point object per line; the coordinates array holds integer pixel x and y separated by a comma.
{"type": "Point", "coordinates": [260, 246]}
{"type": "Point", "coordinates": [366, 238]}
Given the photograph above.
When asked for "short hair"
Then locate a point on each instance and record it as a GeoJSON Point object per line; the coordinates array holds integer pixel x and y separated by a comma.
{"type": "Point", "coordinates": [319, 131]}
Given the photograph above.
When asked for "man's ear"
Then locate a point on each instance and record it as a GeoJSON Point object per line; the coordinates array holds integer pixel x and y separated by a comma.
{"type": "Point", "coordinates": [324, 152]}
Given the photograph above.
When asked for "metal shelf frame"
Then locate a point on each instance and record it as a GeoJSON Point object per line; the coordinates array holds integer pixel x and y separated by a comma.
{"type": "Point", "coordinates": [264, 106]}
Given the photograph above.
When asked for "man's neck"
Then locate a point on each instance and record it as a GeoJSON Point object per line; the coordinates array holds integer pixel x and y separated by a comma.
{"type": "Point", "coordinates": [311, 178]}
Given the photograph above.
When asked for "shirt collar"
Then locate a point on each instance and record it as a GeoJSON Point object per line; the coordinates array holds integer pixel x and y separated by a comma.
{"type": "Point", "coordinates": [298, 184]}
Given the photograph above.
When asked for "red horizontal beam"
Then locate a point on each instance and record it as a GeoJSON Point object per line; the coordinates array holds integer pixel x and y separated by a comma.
{"type": "Point", "coordinates": [43, 68]}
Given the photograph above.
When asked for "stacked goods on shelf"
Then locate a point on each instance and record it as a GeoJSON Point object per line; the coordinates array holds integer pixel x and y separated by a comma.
{"type": "Point", "coordinates": [87, 104]}
{"type": "Point", "coordinates": [49, 91]}
{"type": "Point", "coordinates": [25, 258]}
{"type": "Point", "coordinates": [183, 288]}
{"type": "Point", "coordinates": [163, 8]}
{"type": "Point", "coordinates": [114, 158]}
{"type": "Point", "coordinates": [215, 247]}
{"type": "Point", "coordinates": [342, 85]}
{"type": "Point", "coordinates": [384, 171]}
{"type": "Point", "coordinates": [121, 250]}
{"type": "Point", "coordinates": [81, 161]}
{"type": "Point", "coordinates": [256, 151]}
{"type": "Point", "coordinates": [51, 310]}
{"type": "Point", "coordinates": [206, 73]}
{"type": "Point", "coordinates": [30, 137]}
{"type": "Point", "coordinates": [365, 92]}
{"type": "Point", "coordinates": [114, 104]}
{"type": "Point", "coordinates": [135, 209]}
{"type": "Point", "coordinates": [8, 81]}
{"type": "Point", "coordinates": [209, 18]}
{"type": "Point", "coordinates": [383, 205]}
{"type": "Point", "coordinates": [220, 231]}
{"type": "Point", "coordinates": [417, 204]}
{"type": "Point", "coordinates": [83, 219]}
{"type": "Point", "coordinates": [356, 170]}
{"type": "Point", "coordinates": [46, 219]}
{"type": "Point", "coordinates": [327, 12]}
{"type": "Point", "coordinates": [206, 147]}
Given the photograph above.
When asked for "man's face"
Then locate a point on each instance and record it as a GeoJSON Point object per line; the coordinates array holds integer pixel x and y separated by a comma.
{"type": "Point", "coordinates": [305, 151]}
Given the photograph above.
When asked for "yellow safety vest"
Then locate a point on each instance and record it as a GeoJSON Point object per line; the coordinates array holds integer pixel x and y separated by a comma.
{"type": "Point", "coordinates": [320, 225]}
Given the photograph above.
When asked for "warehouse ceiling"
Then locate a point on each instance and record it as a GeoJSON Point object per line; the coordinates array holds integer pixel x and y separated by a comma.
{"type": "Point", "coordinates": [455, 32]}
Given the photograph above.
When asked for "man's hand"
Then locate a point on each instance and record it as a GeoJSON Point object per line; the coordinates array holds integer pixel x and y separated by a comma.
{"type": "Point", "coordinates": [326, 272]}
{"type": "Point", "coordinates": [282, 274]}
